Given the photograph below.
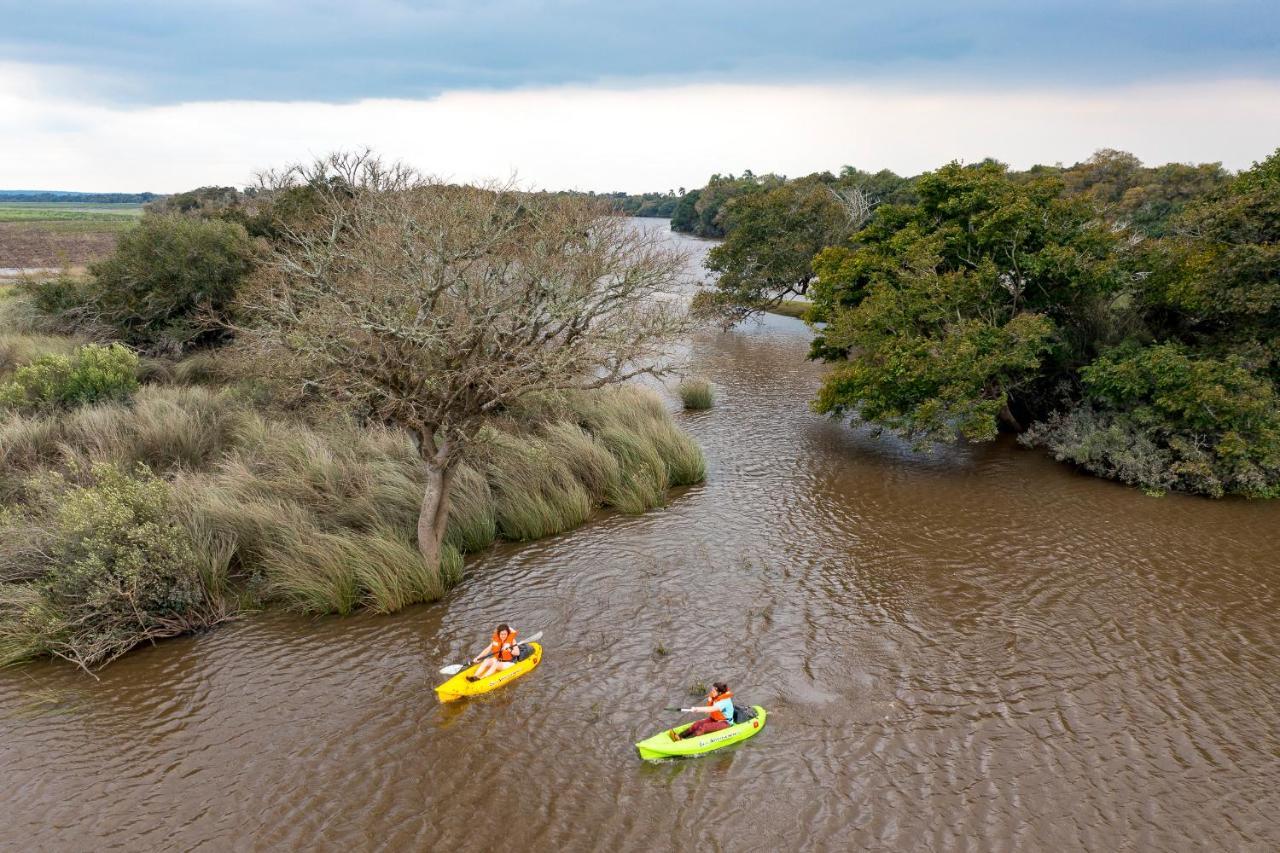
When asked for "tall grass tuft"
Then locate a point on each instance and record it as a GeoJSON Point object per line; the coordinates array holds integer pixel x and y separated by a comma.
{"type": "Point", "coordinates": [696, 394]}
{"type": "Point", "coordinates": [473, 521]}
{"type": "Point", "coordinates": [315, 574]}
{"type": "Point", "coordinates": [535, 493]}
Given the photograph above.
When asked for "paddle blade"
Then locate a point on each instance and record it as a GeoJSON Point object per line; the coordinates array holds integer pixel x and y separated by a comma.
{"type": "Point", "coordinates": [453, 669]}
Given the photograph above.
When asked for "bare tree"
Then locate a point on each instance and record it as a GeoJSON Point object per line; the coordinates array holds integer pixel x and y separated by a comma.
{"type": "Point", "coordinates": [432, 306]}
{"type": "Point", "coordinates": [858, 205]}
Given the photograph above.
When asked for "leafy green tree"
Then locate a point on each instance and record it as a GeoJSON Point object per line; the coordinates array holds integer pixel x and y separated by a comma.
{"type": "Point", "coordinates": [1216, 280]}
{"type": "Point", "coordinates": [882, 187]}
{"type": "Point", "coordinates": [962, 309]}
{"type": "Point", "coordinates": [773, 236]}
{"type": "Point", "coordinates": [171, 281]}
{"type": "Point", "coordinates": [685, 216]}
{"type": "Point", "coordinates": [701, 212]}
{"type": "Point", "coordinates": [1200, 411]}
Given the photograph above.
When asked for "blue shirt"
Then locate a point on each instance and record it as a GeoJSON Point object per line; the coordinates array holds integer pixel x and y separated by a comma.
{"type": "Point", "coordinates": [724, 706]}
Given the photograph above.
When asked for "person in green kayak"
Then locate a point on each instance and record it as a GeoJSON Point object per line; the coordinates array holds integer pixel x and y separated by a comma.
{"type": "Point", "coordinates": [503, 653]}
{"type": "Point", "coordinates": [719, 711]}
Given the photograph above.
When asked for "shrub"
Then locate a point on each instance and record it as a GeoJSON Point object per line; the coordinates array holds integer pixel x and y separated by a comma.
{"type": "Point", "coordinates": [91, 374]}
{"type": "Point", "coordinates": [696, 394]}
{"type": "Point", "coordinates": [122, 571]}
{"type": "Point", "coordinates": [61, 300]}
{"type": "Point", "coordinates": [1164, 417]}
{"type": "Point", "coordinates": [171, 281]}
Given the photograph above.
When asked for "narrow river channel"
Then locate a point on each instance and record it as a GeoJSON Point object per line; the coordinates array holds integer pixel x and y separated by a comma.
{"type": "Point", "coordinates": [973, 650]}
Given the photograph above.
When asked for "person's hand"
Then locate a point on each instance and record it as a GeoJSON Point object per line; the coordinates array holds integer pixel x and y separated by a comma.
{"type": "Point", "coordinates": [686, 710]}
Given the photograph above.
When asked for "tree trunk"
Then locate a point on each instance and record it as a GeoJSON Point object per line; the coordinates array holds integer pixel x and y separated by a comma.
{"type": "Point", "coordinates": [435, 512]}
{"type": "Point", "coordinates": [1006, 415]}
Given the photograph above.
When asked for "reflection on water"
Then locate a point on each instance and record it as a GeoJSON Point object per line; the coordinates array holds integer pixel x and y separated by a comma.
{"type": "Point", "coordinates": [973, 650]}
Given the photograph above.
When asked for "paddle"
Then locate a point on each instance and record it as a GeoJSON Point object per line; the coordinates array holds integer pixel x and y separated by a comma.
{"type": "Point", "coordinates": [455, 668]}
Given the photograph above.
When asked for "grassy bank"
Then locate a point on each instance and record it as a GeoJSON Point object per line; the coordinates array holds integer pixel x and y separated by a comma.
{"type": "Point", "coordinates": [797, 308]}
{"type": "Point", "coordinates": [202, 495]}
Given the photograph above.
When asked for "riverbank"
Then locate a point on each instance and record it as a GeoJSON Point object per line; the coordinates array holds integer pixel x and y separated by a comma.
{"type": "Point", "coordinates": [218, 493]}
{"type": "Point", "coordinates": [794, 308]}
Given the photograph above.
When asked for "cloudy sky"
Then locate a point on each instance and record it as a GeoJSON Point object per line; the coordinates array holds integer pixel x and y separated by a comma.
{"type": "Point", "coordinates": [636, 95]}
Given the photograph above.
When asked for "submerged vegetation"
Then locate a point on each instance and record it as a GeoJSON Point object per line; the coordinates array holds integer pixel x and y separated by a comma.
{"type": "Point", "coordinates": [1124, 317]}
{"type": "Point", "coordinates": [150, 496]}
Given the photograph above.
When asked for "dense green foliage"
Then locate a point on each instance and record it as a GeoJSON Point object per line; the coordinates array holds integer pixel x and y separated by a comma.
{"type": "Point", "coordinates": [1129, 315]}
{"type": "Point", "coordinates": [91, 374]}
{"type": "Point", "coordinates": [170, 282]}
{"type": "Point", "coordinates": [1196, 387]}
{"type": "Point", "coordinates": [114, 569]}
{"type": "Point", "coordinates": [661, 205]}
{"type": "Point", "coordinates": [702, 212]}
{"type": "Point", "coordinates": [1163, 417]}
{"type": "Point", "coordinates": [757, 270]}
{"type": "Point", "coordinates": [953, 307]}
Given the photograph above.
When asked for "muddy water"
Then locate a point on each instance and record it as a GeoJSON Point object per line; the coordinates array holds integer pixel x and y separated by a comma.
{"type": "Point", "coordinates": [977, 650]}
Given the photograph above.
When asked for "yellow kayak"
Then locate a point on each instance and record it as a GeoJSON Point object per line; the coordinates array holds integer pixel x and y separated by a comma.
{"type": "Point", "coordinates": [459, 688]}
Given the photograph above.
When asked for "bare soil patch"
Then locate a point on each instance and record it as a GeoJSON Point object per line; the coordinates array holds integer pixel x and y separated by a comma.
{"type": "Point", "coordinates": [37, 245]}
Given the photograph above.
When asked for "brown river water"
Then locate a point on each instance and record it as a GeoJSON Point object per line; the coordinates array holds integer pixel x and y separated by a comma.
{"type": "Point", "coordinates": [973, 650]}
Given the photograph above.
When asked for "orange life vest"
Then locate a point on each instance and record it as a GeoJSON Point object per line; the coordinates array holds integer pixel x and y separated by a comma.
{"type": "Point", "coordinates": [712, 699]}
{"type": "Point", "coordinates": [502, 649]}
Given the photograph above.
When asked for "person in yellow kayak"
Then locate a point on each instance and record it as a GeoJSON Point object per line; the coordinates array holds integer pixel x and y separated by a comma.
{"type": "Point", "coordinates": [719, 711]}
{"type": "Point", "coordinates": [503, 652]}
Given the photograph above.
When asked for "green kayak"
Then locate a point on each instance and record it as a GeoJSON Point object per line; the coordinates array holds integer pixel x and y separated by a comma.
{"type": "Point", "coordinates": [662, 746]}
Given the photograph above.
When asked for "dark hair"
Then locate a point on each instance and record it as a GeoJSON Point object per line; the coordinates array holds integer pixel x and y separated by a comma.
{"type": "Point", "coordinates": [721, 687]}
{"type": "Point", "coordinates": [503, 626]}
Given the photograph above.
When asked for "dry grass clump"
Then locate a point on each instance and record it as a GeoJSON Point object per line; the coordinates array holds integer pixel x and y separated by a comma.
{"type": "Point", "coordinates": [696, 394]}
{"type": "Point", "coordinates": [163, 428]}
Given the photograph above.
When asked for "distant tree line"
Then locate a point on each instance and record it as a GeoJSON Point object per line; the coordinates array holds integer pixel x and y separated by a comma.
{"type": "Point", "coordinates": [1125, 317]}
{"type": "Point", "coordinates": [1145, 197]}
{"type": "Point", "coordinates": [79, 198]}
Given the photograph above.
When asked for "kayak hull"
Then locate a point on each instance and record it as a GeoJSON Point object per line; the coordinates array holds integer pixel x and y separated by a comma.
{"type": "Point", "coordinates": [459, 688]}
{"type": "Point", "coordinates": [662, 746]}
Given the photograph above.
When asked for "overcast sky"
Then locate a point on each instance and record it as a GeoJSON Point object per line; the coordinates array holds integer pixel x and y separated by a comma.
{"type": "Point", "coordinates": [613, 94]}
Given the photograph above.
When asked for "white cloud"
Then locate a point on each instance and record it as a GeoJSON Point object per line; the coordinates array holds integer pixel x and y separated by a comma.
{"type": "Point", "coordinates": [624, 138]}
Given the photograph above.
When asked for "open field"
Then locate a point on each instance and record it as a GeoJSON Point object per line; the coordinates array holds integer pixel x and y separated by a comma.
{"type": "Point", "coordinates": [60, 234]}
{"type": "Point", "coordinates": [62, 211]}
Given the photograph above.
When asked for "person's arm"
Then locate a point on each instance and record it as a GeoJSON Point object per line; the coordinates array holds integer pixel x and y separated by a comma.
{"type": "Point", "coordinates": [700, 709]}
